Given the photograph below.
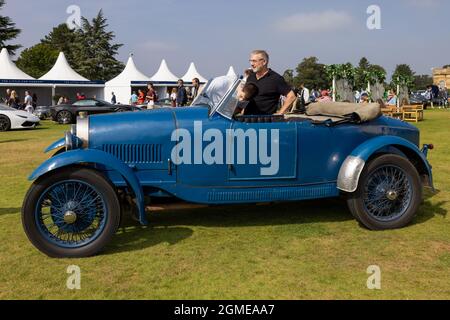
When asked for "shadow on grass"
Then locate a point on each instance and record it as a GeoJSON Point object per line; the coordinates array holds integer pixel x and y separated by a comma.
{"type": "Point", "coordinates": [429, 210]}
{"type": "Point", "coordinates": [137, 238]}
{"type": "Point", "coordinates": [5, 211]}
{"type": "Point", "coordinates": [13, 140]}
{"type": "Point", "coordinates": [172, 225]}
{"type": "Point", "coordinates": [329, 210]}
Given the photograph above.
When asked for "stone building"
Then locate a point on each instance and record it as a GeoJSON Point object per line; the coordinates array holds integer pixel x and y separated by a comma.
{"type": "Point", "coordinates": [441, 76]}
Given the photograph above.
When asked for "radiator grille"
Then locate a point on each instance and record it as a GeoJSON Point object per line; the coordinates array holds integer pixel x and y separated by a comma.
{"type": "Point", "coordinates": [135, 153]}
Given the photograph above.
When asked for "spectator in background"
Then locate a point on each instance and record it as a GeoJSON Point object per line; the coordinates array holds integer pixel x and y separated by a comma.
{"type": "Point", "coordinates": [35, 100]}
{"type": "Point", "coordinates": [78, 96]}
{"type": "Point", "coordinates": [8, 95]}
{"type": "Point", "coordinates": [133, 98]}
{"type": "Point", "coordinates": [152, 96]}
{"type": "Point", "coordinates": [364, 98]}
{"type": "Point", "coordinates": [195, 89]}
{"type": "Point", "coordinates": [391, 98]}
{"type": "Point", "coordinates": [324, 97]}
{"type": "Point", "coordinates": [113, 98]}
{"type": "Point", "coordinates": [141, 97]}
{"type": "Point", "coordinates": [66, 100]}
{"type": "Point", "coordinates": [28, 102]}
{"type": "Point", "coordinates": [60, 100]}
{"type": "Point", "coordinates": [173, 97]}
{"type": "Point", "coordinates": [182, 97]}
{"type": "Point", "coordinates": [14, 101]}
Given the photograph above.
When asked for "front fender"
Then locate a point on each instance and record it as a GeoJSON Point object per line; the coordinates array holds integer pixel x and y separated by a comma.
{"type": "Point", "coordinates": [96, 157]}
{"type": "Point", "coordinates": [354, 164]}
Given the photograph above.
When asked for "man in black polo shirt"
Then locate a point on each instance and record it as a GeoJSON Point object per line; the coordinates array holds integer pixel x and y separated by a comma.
{"type": "Point", "coordinates": [270, 87]}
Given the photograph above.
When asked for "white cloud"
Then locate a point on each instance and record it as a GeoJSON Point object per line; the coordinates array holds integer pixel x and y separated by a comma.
{"type": "Point", "coordinates": [315, 22]}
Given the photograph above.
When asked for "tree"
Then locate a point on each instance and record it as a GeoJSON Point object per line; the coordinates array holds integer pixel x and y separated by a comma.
{"type": "Point", "coordinates": [446, 66]}
{"type": "Point", "coordinates": [367, 72]}
{"type": "Point", "coordinates": [37, 60]}
{"type": "Point", "coordinates": [422, 81]}
{"type": "Point", "coordinates": [312, 74]}
{"type": "Point", "coordinates": [62, 39]}
{"type": "Point", "coordinates": [8, 31]}
{"type": "Point", "coordinates": [288, 76]}
{"type": "Point", "coordinates": [96, 53]}
{"type": "Point", "coordinates": [403, 75]}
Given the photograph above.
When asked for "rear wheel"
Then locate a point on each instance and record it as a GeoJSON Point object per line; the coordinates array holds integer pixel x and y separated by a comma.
{"type": "Point", "coordinates": [388, 195]}
{"type": "Point", "coordinates": [5, 124]}
{"type": "Point", "coordinates": [64, 117]}
{"type": "Point", "coordinates": [71, 213]}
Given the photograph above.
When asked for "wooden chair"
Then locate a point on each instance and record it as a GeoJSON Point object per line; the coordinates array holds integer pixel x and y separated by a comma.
{"type": "Point", "coordinates": [413, 113]}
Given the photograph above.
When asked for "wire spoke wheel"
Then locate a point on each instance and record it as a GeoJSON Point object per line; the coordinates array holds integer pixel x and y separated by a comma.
{"type": "Point", "coordinates": [71, 214]}
{"type": "Point", "coordinates": [388, 193]}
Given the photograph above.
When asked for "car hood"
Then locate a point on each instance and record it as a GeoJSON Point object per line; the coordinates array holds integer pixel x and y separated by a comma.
{"type": "Point", "coordinates": [146, 127]}
{"type": "Point", "coordinates": [21, 113]}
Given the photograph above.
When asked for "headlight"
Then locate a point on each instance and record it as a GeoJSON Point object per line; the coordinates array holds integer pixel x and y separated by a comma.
{"type": "Point", "coordinates": [23, 117]}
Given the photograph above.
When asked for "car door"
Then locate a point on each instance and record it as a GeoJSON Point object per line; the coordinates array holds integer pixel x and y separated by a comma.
{"type": "Point", "coordinates": [263, 151]}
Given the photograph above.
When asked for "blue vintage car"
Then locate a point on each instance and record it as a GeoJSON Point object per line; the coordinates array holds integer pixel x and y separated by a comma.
{"type": "Point", "coordinates": [210, 154]}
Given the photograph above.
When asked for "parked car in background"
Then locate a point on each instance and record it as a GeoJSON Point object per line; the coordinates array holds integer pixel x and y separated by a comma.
{"type": "Point", "coordinates": [11, 118]}
{"type": "Point", "coordinates": [42, 112]}
{"type": "Point", "coordinates": [67, 113]}
{"type": "Point", "coordinates": [210, 154]}
{"type": "Point", "coordinates": [418, 97]}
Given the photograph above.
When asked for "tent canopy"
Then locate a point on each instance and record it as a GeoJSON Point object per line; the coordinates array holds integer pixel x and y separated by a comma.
{"type": "Point", "coordinates": [231, 73]}
{"type": "Point", "coordinates": [164, 75]}
{"type": "Point", "coordinates": [62, 71]}
{"type": "Point", "coordinates": [129, 74]}
{"type": "Point", "coordinates": [8, 70]}
{"type": "Point", "coordinates": [193, 73]}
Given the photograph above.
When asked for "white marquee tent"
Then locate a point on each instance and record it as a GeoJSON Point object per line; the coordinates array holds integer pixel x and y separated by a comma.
{"type": "Point", "coordinates": [193, 73]}
{"type": "Point", "coordinates": [66, 81]}
{"type": "Point", "coordinates": [121, 85]}
{"type": "Point", "coordinates": [231, 73]}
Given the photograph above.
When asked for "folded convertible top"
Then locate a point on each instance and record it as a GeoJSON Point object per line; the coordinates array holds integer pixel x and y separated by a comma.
{"type": "Point", "coordinates": [356, 112]}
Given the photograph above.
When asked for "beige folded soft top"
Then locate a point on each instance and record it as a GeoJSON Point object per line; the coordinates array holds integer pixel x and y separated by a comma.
{"type": "Point", "coordinates": [337, 111]}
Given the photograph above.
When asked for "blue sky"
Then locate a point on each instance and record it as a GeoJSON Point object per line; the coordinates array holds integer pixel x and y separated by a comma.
{"type": "Point", "coordinates": [217, 33]}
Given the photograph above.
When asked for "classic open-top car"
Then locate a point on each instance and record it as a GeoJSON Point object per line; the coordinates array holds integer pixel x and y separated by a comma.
{"type": "Point", "coordinates": [210, 154]}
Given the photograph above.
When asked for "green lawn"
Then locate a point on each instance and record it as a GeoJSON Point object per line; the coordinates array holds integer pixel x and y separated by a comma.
{"type": "Point", "coordinates": [303, 250]}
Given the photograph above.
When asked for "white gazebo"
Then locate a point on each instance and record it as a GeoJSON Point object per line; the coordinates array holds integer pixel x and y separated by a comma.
{"type": "Point", "coordinates": [11, 77]}
{"type": "Point", "coordinates": [231, 72]}
{"type": "Point", "coordinates": [66, 81]}
{"type": "Point", "coordinates": [122, 84]}
{"type": "Point", "coordinates": [193, 73]}
{"type": "Point", "coordinates": [163, 79]}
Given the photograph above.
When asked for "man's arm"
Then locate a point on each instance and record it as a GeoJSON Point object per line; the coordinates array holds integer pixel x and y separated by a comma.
{"type": "Point", "coordinates": [290, 98]}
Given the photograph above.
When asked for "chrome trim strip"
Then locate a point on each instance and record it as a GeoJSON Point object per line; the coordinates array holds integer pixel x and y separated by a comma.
{"type": "Point", "coordinates": [83, 131]}
{"type": "Point", "coordinates": [350, 173]}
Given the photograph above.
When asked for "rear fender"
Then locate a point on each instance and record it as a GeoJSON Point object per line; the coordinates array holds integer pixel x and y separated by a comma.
{"type": "Point", "coordinates": [354, 164]}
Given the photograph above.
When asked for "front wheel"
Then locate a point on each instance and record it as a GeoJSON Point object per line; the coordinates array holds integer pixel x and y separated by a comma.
{"type": "Point", "coordinates": [388, 195]}
{"type": "Point", "coordinates": [5, 124]}
{"type": "Point", "coordinates": [71, 213]}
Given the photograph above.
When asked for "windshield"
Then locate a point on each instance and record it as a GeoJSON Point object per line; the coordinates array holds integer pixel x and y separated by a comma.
{"type": "Point", "coordinates": [214, 92]}
{"type": "Point", "coordinates": [228, 106]}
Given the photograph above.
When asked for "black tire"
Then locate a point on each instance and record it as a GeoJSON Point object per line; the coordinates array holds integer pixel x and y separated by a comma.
{"type": "Point", "coordinates": [5, 123]}
{"type": "Point", "coordinates": [399, 201]}
{"type": "Point", "coordinates": [64, 117]}
{"type": "Point", "coordinates": [110, 222]}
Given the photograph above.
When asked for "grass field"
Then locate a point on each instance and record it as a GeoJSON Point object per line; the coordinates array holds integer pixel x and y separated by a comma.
{"type": "Point", "coordinates": [309, 250]}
